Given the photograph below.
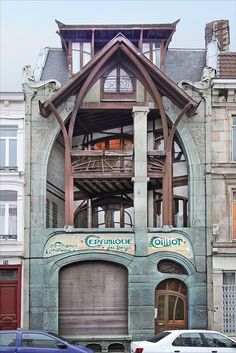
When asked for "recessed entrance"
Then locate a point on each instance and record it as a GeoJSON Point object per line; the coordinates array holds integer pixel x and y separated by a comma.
{"type": "Point", "coordinates": [93, 299]}
{"type": "Point", "coordinates": [171, 305]}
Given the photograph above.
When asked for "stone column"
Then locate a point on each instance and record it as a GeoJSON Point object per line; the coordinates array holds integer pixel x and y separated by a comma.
{"type": "Point", "coordinates": [140, 178]}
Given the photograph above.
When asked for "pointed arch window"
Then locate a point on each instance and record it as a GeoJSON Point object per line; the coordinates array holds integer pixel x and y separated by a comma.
{"type": "Point", "coordinates": [118, 84]}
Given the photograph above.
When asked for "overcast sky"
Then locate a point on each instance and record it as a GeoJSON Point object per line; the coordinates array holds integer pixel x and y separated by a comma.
{"type": "Point", "coordinates": [29, 25]}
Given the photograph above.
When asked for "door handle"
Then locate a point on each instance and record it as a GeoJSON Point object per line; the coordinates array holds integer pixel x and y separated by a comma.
{"type": "Point", "coordinates": [177, 351]}
{"type": "Point", "coordinates": [214, 351]}
{"type": "Point", "coordinates": [160, 324]}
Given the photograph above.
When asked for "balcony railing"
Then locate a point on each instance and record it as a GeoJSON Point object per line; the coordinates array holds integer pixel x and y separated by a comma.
{"type": "Point", "coordinates": [113, 164]}
{"type": "Point", "coordinates": [8, 169]}
{"type": "Point", "coordinates": [8, 236]}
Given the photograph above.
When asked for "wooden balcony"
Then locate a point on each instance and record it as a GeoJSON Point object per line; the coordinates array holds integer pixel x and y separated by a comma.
{"type": "Point", "coordinates": [102, 164]}
{"type": "Point", "coordinates": [91, 164]}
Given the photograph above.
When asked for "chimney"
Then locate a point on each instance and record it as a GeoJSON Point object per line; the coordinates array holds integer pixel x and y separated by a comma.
{"type": "Point", "coordinates": [218, 30]}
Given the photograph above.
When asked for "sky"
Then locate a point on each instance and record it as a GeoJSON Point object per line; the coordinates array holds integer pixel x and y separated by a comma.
{"type": "Point", "coordinates": [29, 25]}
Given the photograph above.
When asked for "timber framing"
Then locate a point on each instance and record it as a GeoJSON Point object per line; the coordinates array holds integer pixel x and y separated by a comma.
{"type": "Point", "coordinates": [155, 82]}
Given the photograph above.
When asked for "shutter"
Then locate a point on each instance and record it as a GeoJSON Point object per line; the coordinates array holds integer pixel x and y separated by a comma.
{"type": "Point", "coordinates": [93, 299]}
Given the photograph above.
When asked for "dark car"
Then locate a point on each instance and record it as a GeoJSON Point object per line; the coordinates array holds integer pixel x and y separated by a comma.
{"type": "Point", "coordinates": [31, 341]}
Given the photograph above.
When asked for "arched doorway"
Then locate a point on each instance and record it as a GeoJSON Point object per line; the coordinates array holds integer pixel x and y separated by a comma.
{"type": "Point", "coordinates": [171, 305]}
{"type": "Point", "coordinates": [93, 299]}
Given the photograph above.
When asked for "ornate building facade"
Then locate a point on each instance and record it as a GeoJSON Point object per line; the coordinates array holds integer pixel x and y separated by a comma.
{"type": "Point", "coordinates": [117, 162]}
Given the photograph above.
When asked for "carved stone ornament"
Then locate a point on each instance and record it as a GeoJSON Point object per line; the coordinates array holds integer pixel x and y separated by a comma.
{"type": "Point", "coordinates": [207, 75]}
{"type": "Point", "coordinates": [31, 85]}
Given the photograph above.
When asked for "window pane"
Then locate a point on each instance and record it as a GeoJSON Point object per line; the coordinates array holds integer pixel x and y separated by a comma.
{"type": "Point", "coordinates": [125, 82]}
{"type": "Point", "coordinates": [75, 57]}
{"type": "Point", "coordinates": [2, 219]}
{"type": "Point", "coordinates": [229, 278]}
{"type": "Point", "coordinates": [218, 340]}
{"type": "Point", "coordinates": [114, 144]}
{"type": "Point", "coordinates": [156, 57]}
{"type": "Point", "coordinates": [234, 144]}
{"type": "Point", "coordinates": [161, 304]}
{"type": "Point", "coordinates": [234, 220]}
{"type": "Point", "coordinates": [86, 53]}
{"type": "Point", "coordinates": [171, 306]}
{"type": "Point", "coordinates": [8, 133]}
{"type": "Point", "coordinates": [8, 274]}
{"type": "Point", "coordinates": [38, 340]}
{"type": "Point", "coordinates": [129, 214]}
{"type": "Point", "coordinates": [146, 50]}
{"type": "Point", "coordinates": [12, 153]}
{"type": "Point", "coordinates": [2, 153]}
{"type": "Point", "coordinates": [8, 195]}
{"type": "Point", "coordinates": [191, 340]}
{"type": "Point", "coordinates": [179, 313]}
{"type": "Point", "coordinates": [12, 219]}
{"type": "Point", "coordinates": [7, 340]}
{"type": "Point", "coordinates": [110, 84]}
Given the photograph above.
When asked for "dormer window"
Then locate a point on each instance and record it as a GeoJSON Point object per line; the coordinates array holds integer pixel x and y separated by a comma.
{"type": "Point", "coordinates": [152, 51]}
{"type": "Point", "coordinates": [118, 83]}
{"type": "Point", "coordinates": [81, 55]}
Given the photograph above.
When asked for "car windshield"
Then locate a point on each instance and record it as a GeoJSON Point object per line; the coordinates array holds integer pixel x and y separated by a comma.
{"type": "Point", "coordinates": [158, 337]}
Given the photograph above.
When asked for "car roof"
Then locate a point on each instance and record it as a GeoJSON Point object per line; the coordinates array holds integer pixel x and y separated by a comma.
{"type": "Point", "coordinates": [22, 330]}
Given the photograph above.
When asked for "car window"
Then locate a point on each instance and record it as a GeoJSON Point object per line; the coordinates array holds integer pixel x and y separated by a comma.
{"type": "Point", "coordinates": [39, 340]}
{"type": "Point", "coordinates": [7, 339]}
{"type": "Point", "coordinates": [191, 339]}
{"type": "Point", "coordinates": [218, 340]}
{"type": "Point", "coordinates": [158, 337]}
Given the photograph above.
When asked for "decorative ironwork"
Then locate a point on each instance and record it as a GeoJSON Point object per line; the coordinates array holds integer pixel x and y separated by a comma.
{"type": "Point", "coordinates": [229, 308]}
{"type": "Point", "coordinates": [8, 236]}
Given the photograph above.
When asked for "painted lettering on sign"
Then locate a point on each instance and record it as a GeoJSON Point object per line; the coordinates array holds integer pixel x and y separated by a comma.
{"type": "Point", "coordinates": [174, 242]}
{"type": "Point", "coordinates": [164, 242]}
{"type": "Point", "coordinates": [64, 243]}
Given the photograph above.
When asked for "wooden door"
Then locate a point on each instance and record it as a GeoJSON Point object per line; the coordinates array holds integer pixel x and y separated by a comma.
{"type": "Point", "coordinates": [171, 305]}
{"type": "Point", "coordinates": [9, 298]}
{"type": "Point", "coordinates": [93, 299]}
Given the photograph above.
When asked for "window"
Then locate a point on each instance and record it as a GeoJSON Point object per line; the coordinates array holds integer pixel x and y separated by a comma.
{"type": "Point", "coordinates": [8, 214]}
{"type": "Point", "coordinates": [218, 340]}
{"type": "Point", "coordinates": [110, 213]}
{"type": "Point", "coordinates": [38, 340]}
{"type": "Point", "coordinates": [168, 266]}
{"type": "Point", "coordinates": [152, 51]}
{"type": "Point", "coordinates": [229, 301]}
{"type": "Point", "coordinates": [81, 55]}
{"type": "Point", "coordinates": [115, 215]}
{"type": "Point", "coordinates": [188, 340]}
{"type": "Point", "coordinates": [118, 84]}
{"type": "Point", "coordinates": [8, 148]}
{"type": "Point", "coordinates": [234, 138]}
{"type": "Point", "coordinates": [7, 340]}
{"type": "Point", "coordinates": [180, 210]}
{"type": "Point", "coordinates": [51, 214]}
{"type": "Point", "coordinates": [114, 144]}
{"type": "Point", "coordinates": [234, 216]}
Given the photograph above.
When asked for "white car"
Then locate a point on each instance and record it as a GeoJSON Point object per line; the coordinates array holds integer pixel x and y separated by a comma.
{"type": "Point", "coordinates": [186, 341]}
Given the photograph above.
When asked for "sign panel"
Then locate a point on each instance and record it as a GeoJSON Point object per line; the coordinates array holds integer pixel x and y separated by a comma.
{"type": "Point", "coordinates": [174, 242]}
{"type": "Point", "coordinates": [66, 243]}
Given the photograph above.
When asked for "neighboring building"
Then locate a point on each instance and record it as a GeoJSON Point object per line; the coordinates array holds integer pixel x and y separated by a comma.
{"type": "Point", "coordinates": [117, 162]}
{"type": "Point", "coordinates": [12, 113]}
{"type": "Point", "coordinates": [220, 132]}
{"type": "Point", "coordinates": [222, 183]}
